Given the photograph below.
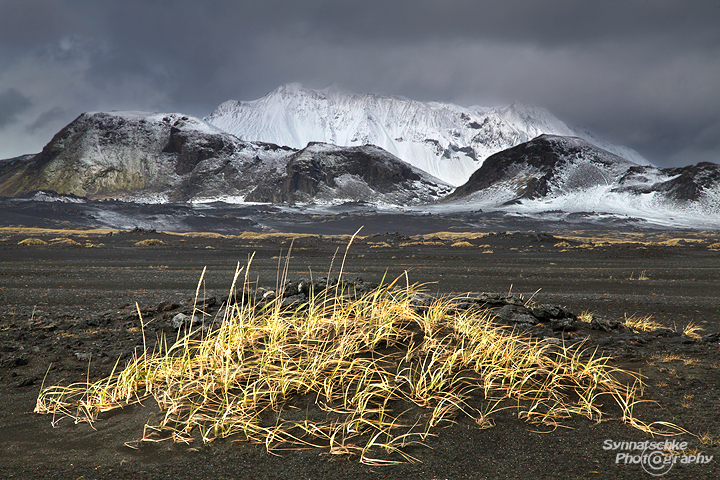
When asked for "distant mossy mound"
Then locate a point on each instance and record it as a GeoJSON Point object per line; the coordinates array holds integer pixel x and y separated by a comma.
{"type": "Point", "coordinates": [150, 242]}
{"type": "Point", "coordinates": [32, 241]}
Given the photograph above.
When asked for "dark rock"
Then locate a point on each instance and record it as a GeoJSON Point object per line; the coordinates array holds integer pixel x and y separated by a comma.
{"type": "Point", "coordinates": [167, 307]}
{"type": "Point", "coordinates": [206, 302]}
{"type": "Point", "coordinates": [525, 319]}
{"type": "Point", "coordinates": [509, 312]}
{"type": "Point", "coordinates": [290, 289]}
{"type": "Point", "coordinates": [547, 313]}
{"type": "Point", "coordinates": [598, 323]}
{"type": "Point", "coordinates": [711, 337]}
{"type": "Point", "coordinates": [305, 286]}
{"type": "Point", "coordinates": [666, 332]}
{"type": "Point", "coordinates": [490, 300]}
{"type": "Point", "coordinates": [265, 295]}
{"type": "Point", "coordinates": [83, 356]}
{"type": "Point", "coordinates": [26, 382]}
{"type": "Point", "coordinates": [562, 324]}
{"type": "Point", "coordinates": [184, 321]}
{"type": "Point", "coordinates": [294, 300]}
{"type": "Point", "coordinates": [12, 361]}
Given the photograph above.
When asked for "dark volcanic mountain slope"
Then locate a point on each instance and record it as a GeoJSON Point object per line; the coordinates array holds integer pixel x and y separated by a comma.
{"type": "Point", "coordinates": [547, 164]}
{"type": "Point", "coordinates": [323, 172]}
{"type": "Point", "coordinates": [132, 155]}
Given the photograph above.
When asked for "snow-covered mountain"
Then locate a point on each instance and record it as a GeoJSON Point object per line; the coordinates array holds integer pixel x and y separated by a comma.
{"type": "Point", "coordinates": [171, 157]}
{"type": "Point", "coordinates": [560, 176]}
{"type": "Point", "coordinates": [448, 141]}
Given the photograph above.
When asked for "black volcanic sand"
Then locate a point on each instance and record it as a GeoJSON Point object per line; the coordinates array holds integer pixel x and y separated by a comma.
{"type": "Point", "coordinates": [66, 301]}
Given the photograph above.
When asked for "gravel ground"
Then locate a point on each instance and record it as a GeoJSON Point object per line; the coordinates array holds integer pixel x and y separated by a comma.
{"type": "Point", "coordinates": [64, 302]}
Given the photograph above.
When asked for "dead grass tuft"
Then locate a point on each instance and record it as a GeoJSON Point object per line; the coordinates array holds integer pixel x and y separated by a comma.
{"type": "Point", "coordinates": [32, 241]}
{"type": "Point", "coordinates": [150, 242]}
{"type": "Point", "coordinates": [642, 324]}
{"type": "Point", "coordinates": [462, 244]}
{"type": "Point", "coordinates": [692, 330]}
{"type": "Point", "coordinates": [68, 242]}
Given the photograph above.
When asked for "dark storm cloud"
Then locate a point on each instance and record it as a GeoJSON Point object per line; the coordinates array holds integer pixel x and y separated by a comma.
{"type": "Point", "coordinates": [12, 103]}
{"type": "Point", "coordinates": [637, 72]}
{"type": "Point", "coordinates": [544, 23]}
{"type": "Point", "coordinates": [48, 117]}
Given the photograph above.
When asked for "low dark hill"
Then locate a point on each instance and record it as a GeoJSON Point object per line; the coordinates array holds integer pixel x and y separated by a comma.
{"type": "Point", "coordinates": [533, 169]}
{"type": "Point", "coordinates": [323, 172]}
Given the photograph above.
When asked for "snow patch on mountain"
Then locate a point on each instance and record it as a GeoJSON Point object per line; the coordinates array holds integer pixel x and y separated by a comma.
{"type": "Point", "coordinates": [448, 141]}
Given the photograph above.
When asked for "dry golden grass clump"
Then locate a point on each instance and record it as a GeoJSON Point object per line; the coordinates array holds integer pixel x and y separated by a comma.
{"type": "Point", "coordinates": [32, 241]}
{"type": "Point", "coordinates": [692, 330]}
{"type": "Point", "coordinates": [366, 376]}
{"type": "Point", "coordinates": [424, 243]}
{"type": "Point", "coordinates": [65, 241]}
{"type": "Point", "coordinates": [462, 244]}
{"type": "Point", "coordinates": [714, 246]}
{"type": "Point", "coordinates": [643, 324]}
{"type": "Point", "coordinates": [150, 242]}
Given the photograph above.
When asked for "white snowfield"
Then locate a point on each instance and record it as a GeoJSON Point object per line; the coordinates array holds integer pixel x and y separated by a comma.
{"type": "Point", "coordinates": [448, 141]}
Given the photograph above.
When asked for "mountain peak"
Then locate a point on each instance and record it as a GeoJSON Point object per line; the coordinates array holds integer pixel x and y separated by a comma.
{"type": "Point", "coordinates": [448, 141]}
{"type": "Point", "coordinates": [291, 89]}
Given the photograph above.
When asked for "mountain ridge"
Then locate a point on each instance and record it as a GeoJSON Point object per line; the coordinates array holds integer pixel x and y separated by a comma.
{"type": "Point", "coordinates": [171, 157]}
{"type": "Point", "coordinates": [446, 140]}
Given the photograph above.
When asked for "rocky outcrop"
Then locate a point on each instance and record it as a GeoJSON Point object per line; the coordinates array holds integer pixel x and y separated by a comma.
{"type": "Point", "coordinates": [683, 183]}
{"type": "Point", "coordinates": [533, 169]}
{"type": "Point", "coordinates": [322, 172]}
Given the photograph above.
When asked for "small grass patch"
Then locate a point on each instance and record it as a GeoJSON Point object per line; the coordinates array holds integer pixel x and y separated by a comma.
{"type": "Point", "coordinates": [423, 243]}
{"type": "Point", "coordinates": [708, 439]}
{"type": "Point", "coordinates": [692, 330]}
{"type": "Point", "coordinates": [150, 242]}
{"type": "Point", "coordinates": [643, 324]}
{"type": "Point", "coordinates": [462, 244]}
{"type": "Point", "coordinates": [642, 276]}
{"type": "Point", "coordinates": [65, 241]}
{"type": "Point", "coordinates": [33, 241]}
{"type": "Point", "coordinates": [667, 357]}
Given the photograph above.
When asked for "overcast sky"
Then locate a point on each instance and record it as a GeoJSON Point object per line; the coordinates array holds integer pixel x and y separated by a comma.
{"type": "Point", "coordinates": [645, 74]}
